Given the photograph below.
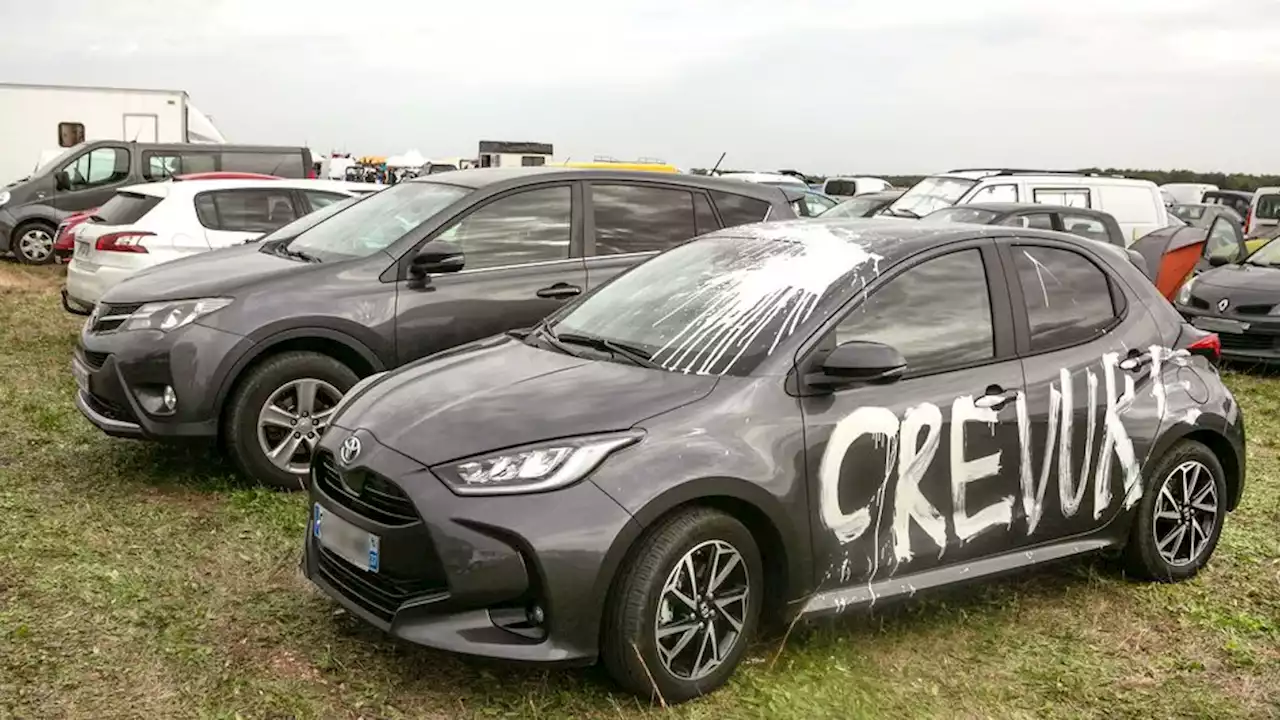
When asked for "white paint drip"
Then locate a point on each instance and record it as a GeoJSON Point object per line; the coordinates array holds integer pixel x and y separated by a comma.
{"type": "Point", "coordinates": [909, 503]}
{"type": "Point", "coordinates": [1066, 478]}
{"type": "Point", "coordinates": [1115, 440]}
{"type": "Point", "coordinates": [1192, 416]}
{"type": "Point", "coordinates": [877, 421]}
{"type": "Point", "coordinates": [964, 472]}
{"type": "Point", "coordinates": [1032, 491]}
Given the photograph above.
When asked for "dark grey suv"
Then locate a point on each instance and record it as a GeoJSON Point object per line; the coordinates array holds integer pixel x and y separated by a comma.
{"type": "Point", "coordinates": [256, 345]}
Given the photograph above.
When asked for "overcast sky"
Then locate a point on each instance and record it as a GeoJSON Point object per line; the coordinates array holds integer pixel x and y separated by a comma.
{"type": "Point", "coordinates": [885, 86]}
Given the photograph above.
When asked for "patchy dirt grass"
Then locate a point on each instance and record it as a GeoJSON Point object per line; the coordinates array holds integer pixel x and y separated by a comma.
{"type": "Point", "coordinates": [148, 581]}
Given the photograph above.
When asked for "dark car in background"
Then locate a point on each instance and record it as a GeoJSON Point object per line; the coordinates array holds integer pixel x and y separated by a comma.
{"type": "Point", "coordinates": [87, 175]}
{"type": "Point", "coordinates": [864, 205]}
{"type": "Point", "coordinates": [771, 422]}
{"type": "Point", "coordinates": [1240, 301]}
{"type": "Point", "coordinates": [1238, 200]}
{"type": "Point", "coordinates": [257, 344]}
{"type": "Point", "coordinates": [1091, 224]}
{"type": "Point", "coordinates": [1203, 214]}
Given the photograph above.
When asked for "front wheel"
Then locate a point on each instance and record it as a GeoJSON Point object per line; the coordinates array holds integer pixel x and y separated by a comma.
{"type": "Point", "coordinates": [1179, 520]}
{"type": "Point", "coordinates": [279, 413]}
{"type": "Point", "coordinates": [685, 606]}
{"type": "Point", "coordinates": [32, 243]}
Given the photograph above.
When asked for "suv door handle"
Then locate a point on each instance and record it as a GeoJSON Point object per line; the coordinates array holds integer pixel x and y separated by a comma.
{"type": "Point", "coordinates": [1135, 360]}
{"type": "Point", "coordinates": [559, 290]}
{"type": "Point", "coordinates": [995, 398]}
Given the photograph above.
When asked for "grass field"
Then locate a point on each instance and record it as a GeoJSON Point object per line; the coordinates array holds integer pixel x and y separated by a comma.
{"type": "Point", "coordinates": [147, 581]}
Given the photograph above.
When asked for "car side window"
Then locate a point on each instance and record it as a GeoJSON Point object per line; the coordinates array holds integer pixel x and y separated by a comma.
{"type": "Point", "coordinates": [1003, 192]}
{"type": "Point", "coordinates": [703, 216]}
{"type": "Point", "coordinates": [635, 218]}
{"type": "Point", "coordinates": [318, 199]}
{"type": "Point", "coordinates": [98, 167]}
{"type": "Point", "coordinates": [530, 226]}
{"type": "Point", "coordinates": [1067, 296]}
{"type": "Point", "coordinates": [1070, 197]}
{"type": "Point", "coordinates": [245, 210]}
{"type": "Point", "coordinates": [267, 163]}
{"type": "Point", "coordinates": [1039, 221]}
{"type": "Point", "coordinates": [937, 314]}
{"type": "Point", "coordinates": [1085, 226]}
{"type": "Point", "coordinates": [739, 209]}
{"type": "Point", "coordinates": [1222, 240]}
{"type": "Point", "coordinates": [160, 166]}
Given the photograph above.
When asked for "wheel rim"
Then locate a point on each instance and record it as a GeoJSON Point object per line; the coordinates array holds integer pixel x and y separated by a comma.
{"type": "Point", "coordinates": [292, 421]}
{"type": "Point", "coordinates": [1186, 513]}
{"type": "Point", "coordinates": [35, 244]}
{"type": "Point", "coordinates": [702, 609]}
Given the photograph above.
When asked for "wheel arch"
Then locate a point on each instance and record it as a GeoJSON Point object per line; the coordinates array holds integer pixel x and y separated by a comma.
{"type": "Point", "coordinates": [1228, 453]}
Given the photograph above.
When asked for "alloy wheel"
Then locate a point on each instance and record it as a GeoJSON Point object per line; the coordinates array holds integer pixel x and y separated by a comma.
{"type": "Point", "coordinates": [702, 609]}
{"type": "Point", "coordinates": [292, 421]}
{"type": "Point", "coordinates": [35, 245]}
{"type": "Point", "coordinates": [1186, 513]}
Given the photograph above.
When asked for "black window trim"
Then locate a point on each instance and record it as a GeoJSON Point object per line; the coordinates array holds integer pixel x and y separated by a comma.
{"type": "Point", "coordinates": [589, 213]}
{"type": "Point", "coordinates": [814, 347]}
{"type": "Point", "coordinates": [1021, 321]}
{"type": "Point", "coordinates": [1088, 193]}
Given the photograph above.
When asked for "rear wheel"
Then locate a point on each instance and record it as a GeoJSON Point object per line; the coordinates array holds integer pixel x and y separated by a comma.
{"type": "Point", "coordinates": [279, 413]}
{"type": "Point", "coordinates": [32, 243]}
{"type": "Point", "coordinates": [1180, 517]}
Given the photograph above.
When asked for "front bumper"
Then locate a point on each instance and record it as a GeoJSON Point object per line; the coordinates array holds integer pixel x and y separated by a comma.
{"type": "Point", "coordinates": [1250, 338]}
{"type": "Point", "coordinates": [459, 574]}
{"type": "Point", "coordinates": [7, 223]}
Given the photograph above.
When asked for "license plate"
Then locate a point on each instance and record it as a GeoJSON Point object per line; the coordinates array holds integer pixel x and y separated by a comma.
{"type": "Point", "coordinates": [82, 249]}
{"type": "Point", "coordinates": [81, 375]}
{"type": "Point", "coordinates": [1220, 325]}
{"type": "Point", "coordinates": [345, 540]}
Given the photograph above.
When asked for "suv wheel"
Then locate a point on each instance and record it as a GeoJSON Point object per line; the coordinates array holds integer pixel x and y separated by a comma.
{"type": "Point", "coordinates": [32, 243]}
{"type": "Point", "coordinates": [279, 413]}
{"type": "Point", "coordinates": [1180, 517]}
{"type": "Point", "coordinates": [684, 607]}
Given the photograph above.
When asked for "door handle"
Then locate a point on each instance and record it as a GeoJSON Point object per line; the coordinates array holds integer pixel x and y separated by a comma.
{"type": "Point", "coordinates": [559, 291]}
{"type": "Point", "coordinates": [1135, 360]}
{"type": "Point", "coordinates": [995, 398]}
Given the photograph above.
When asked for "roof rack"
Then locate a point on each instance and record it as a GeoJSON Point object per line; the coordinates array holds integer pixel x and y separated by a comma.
{"type": "Point", "coordinates": [1020, 171]}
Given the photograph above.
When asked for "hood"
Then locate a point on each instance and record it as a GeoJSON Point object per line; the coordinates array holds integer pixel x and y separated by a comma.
{"type": "Point", "coordinates": [209, 274]}
{"type": "Point", "coordinates": [1242, 277]}
{"type": "Point", "coordinates": [500, 393]}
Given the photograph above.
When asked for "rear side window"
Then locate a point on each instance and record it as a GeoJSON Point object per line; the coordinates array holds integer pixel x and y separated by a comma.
{"type": "Point", "coordinates": [1003, 192]}
{"type": "Point", "coordinates": [634, 218]}
{"type": "Point", "coordinates": [1085, 226]}
{"type": "Point", "coordinates": [245, 210]}
{"type": "Point", "coordinates": [1068, 298]}
{"type": "Point", "coordinates": [1071, 197]}
{"type": "Point", "coordinates": [739, 209]}
{"type": "Point", "coordinates": [703, 216]}
{"type": "Point", "coordinates": [126, 208]}
{"type": "Point", "coordinates": [287, 165]}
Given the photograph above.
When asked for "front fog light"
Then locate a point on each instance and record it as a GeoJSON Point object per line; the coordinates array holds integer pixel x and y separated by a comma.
{"type": "Point", "coordinates": [170, 398]}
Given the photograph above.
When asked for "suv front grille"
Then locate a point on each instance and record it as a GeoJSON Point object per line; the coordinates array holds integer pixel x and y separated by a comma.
{"type": "Point", "coordinates": [107, 318]}
{"type": "Point", "coordinates": [367, 493]}
{"type": "Point", "coordinates": [379, 594]}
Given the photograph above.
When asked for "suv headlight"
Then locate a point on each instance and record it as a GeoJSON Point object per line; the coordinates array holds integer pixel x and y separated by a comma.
{"type": "Point", "coordinates": [166, 316]}
{"type": "Point", "coordinates": [1184, 293]}
{"type": "Point", "coordinates": [533, 468]}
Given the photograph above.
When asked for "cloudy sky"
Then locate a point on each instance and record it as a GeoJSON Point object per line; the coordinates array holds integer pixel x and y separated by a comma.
{"type": "Point", "coordinates": [855, 86]}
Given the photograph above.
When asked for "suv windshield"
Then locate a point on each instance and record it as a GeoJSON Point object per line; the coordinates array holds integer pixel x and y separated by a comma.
{"type": "Point", "coordinates": [931, 193]}
{"type": "Point", "coordinates": [375, 222]}
{"type": "Point", "coordinates": [719, 305]}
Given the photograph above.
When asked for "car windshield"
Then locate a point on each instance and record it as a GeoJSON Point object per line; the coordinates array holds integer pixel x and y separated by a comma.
{"type": "Point", "coordinates": [930, 194]}
{"type": "Point", "coordinates": [375, 222]}
{"type": "Point", "coordinates": [854, 207]}
{"type": "Point", "coordinates": [977, 216]}
{"type": "Point", "coordinates": [309, 220]}
{"type": "Point", "coordinates": [1268, 255]}
{"type": "Point", "coordinates": [719, 305]}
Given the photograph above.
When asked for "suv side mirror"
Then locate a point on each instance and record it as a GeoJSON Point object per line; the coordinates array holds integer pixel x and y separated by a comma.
{"type": "Point", "coordinates": [1220, 260]}
{"type": "Point", "coordinates": [62, 181]}
{"type": "Point", "coordinates": [858, 362]}
{"type": "Point", "coordinates": [433, 259]}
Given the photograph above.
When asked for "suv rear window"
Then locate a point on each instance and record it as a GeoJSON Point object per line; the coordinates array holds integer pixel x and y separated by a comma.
{"type": "Point", "coordinates": [126, 208]}
{"type": "Point", "coordinates": [280, 164]}
{"type": "Point", "coordinates": [739, 209]}
{"type": "Point", "coordinates": [1269, 207]}
{"type": "Point", "coordinates": [841, 187]}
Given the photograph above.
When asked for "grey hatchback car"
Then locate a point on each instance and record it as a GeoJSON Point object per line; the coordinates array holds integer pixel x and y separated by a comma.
{"type": "Point", "coordinates": [256, 345]}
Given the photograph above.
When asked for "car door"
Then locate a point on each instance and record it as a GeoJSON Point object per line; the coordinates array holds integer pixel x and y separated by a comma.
{"type": "Point", "coordinates": [522, 260]}
{"type": "Point", "coordinates": [92, 178]}
{"type": "Point", "coordinates": [629, 222]}
{"type": "Point", "coordinates": [1092, 408]}
{"type": "Point", "coordinates": [920, 473]}
{"type": "Point", "coordinates": [232, 217]}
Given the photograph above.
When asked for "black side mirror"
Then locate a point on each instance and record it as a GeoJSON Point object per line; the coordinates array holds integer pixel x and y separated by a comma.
{"type": "Point", "coordinates": [433, 260]}
{"type": "Point", "coordinates": [1220, 260]}
{"type": "Point", "coordinates": [62, 181]}
{"type": "Point", "coordinates": [857, 362]}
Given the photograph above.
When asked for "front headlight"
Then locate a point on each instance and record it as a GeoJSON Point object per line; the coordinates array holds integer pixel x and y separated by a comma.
{"type": "Point", "coordinates": [1184, 293]}
{"type": "Point", "coordinates": [534, 468]}
{"type": "Point", "coordinates": [166, 316]}
{"type": "Point", "coordinates": [4, 197]}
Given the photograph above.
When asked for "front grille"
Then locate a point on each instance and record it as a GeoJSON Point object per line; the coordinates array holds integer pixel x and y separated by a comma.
{"type": "Point", "coordinates": [95, 360]}
{"type": "Point", "coordinates": [377, 498]}
{"type": "Point", "coordinates": [1253, 309]}
{"type": "Point", "coordinates": [107, 318]}
{"type": "Point", "coordinates": [108, 410]}
{"type": "Point", "coordinates": [1233, 341]}
{"type": "Point", "coordinates": [377, 593]}
{"type": "Point", "coordinates": [1198, 303]}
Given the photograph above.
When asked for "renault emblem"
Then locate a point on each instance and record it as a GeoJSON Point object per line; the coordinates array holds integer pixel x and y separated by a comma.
{"type": "Point", "coordinates": [1222, 304]}
{"type": "Point", "coordinates": [350, 450]}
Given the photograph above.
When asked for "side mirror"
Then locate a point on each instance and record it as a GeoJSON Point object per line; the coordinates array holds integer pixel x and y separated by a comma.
{"type": "Point", "coordinates": [62, 181]}
{"type": "Point", "coordinates": [435, 259]}
{"type": "Point", "coordinates": [859, 362]}
{"type": "Point", "coordinates": [1220, 260]}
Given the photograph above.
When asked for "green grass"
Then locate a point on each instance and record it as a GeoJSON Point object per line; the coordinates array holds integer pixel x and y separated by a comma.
{"type": "Point", "coordinates": [147, 581]}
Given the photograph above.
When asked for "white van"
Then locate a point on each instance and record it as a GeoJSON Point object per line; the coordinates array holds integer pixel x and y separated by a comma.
{"type": "Point", "coordinates": [1188, 193]}
{"type": "Point", "coordinates": [847, 187]}
{"type": "Point", "coordinates": [1264, 211]}
{"type": "Point", "coordinates": [1136, 204]}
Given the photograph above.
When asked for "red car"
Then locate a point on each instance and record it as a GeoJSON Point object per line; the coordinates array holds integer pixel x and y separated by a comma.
{"type": "Point", "coordinates": [64, 240]}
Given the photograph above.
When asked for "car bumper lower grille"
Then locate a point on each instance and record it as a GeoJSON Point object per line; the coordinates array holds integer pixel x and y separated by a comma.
{"type": "Point", "coordinates": [1232, 341]}
{"type": "Point", "coordinates": [382, 596]}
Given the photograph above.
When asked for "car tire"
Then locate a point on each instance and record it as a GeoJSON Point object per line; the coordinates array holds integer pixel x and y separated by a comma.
{"type": "Point", "coordinates": [1155, 550]}
{"type": "Point", "coordinates": [667, 670]}
{"type": "Point", "coordinates": [29, 236]}
{"type": "Point", "coordinates": [282, 381]}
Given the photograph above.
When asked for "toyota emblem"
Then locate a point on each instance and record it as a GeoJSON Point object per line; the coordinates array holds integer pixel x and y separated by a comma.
{"type": "Point", "coordinates": [1222, 304]}
{"type": "Point", "coordinates": [350, 450]}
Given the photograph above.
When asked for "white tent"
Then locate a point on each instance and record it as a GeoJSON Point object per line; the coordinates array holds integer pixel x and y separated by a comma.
{"type": "Point", "coordinates": [200, 129]}
{"type": "Point", "coordinates": [413, 158]}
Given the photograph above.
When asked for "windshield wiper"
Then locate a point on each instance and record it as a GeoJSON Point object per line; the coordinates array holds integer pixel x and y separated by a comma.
{"type": "Point", "coordinates": [547, 335]}
{"type": "Point", "coordinates": [633, 354]}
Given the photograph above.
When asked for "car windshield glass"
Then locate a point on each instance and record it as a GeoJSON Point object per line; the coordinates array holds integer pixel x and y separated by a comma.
{"type": "Point", "coordinates": [375, 222]}
{"type": "Point", "coordinates": [857, 207]}
{"type": "Point", "coordinates": [719, 305]}
{"type": "Point", "coordinates": [976, 216]}
{"type": "Point", "coordinates": [309, 220]}
{"type": "Point", "coordinates": [1268, 255]}
{"type": "Point", "coordinates": [931, 193]}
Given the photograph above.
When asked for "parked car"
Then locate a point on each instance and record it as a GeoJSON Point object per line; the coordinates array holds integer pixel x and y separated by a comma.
{"type": "Point", "coordinates": [1237, 200]}
{"type": "Point", "coordinates": [1136, 204]}
{"type": "Point", "coordinates": [864, 205]}
{"type": "Point", "coordinates": [1203, 214]}
{"type": "Point", "coordinates": [765, 178]}
{"type": "Point", "coordinates": [88, 175]}
{"type": "Point", "coordinates": [1187, 193]}
{"type": "Point", "coordinates": [847, 187]}
{"type": "Point", "coordinates": [1241, 303]}
{"type": "Point", "coordinates": [731, 432]}
{"type": "Point", "coordinates": [146, 225]}
{"type": "Point", "coordinates": [256, 344]}
{"type": "Point", "coordinates": [812, 204]}
{"type": "Point", "coordinates": [1264, 210]}
{"type": "Point", "coordinates": [1092, 224]}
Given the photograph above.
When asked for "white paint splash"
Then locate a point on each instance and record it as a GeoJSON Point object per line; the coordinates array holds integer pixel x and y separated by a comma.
{"type": "Point", "coordinates": [877, 421]}
{"type": "Point", "coordinates": [1032, 491]}
{"type": "Point", "coordinates": [964, 472]}
{"type": "Point", "coordinates": [1115, 440]}
{"type": "Point", "coordinates": [909, 503]}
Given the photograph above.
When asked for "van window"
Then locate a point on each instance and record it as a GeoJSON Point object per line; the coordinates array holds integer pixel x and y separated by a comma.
{"type": "Point", "coordinates": [1070, 197]}
{"type": "Point", "coordinates": [98, 167]}
{"type": "Point", "coordinates": [1003, 192]}
{"type": "Point", "coordinates": [1129, 204]}
{"type": "Point", "coordinates": [267, 163]}
{"type": "Point", "coordinates": [1085, 226]}
{"type": "Point", "coordinates": [70, 134]}
{"type": "Point", "coordinates": [160, 165]}
{"type": "Point", "coordinates": [739, 209]}
{"type": "Point", "coordinates": [1268, 207]}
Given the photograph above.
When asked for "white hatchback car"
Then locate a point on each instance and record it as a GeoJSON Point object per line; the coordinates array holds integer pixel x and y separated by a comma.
{"type": "Point", "coordinates": [145, 225]}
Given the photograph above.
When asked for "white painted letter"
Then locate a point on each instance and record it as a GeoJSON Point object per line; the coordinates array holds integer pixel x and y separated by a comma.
{"type": "Point", "coordinates": [964, 472]}
{"type": "Point", "coordinates": [1115, 439]}
{"type": "Point", "coordinates": [863, 421]}
{"type": "Point", "coordinates": [909, 503]}
{"type": "Point", "coordinates": [1033, 492]}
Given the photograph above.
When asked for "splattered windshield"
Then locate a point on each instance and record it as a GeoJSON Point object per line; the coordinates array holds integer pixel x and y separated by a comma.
{"type": "Point", "coordinates": [716, 306]}
{"type": "Point", "coordinates": [931, 193]}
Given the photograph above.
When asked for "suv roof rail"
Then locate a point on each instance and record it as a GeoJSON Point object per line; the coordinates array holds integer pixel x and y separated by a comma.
{"type": "Point", "coordinates": [1020, 171]}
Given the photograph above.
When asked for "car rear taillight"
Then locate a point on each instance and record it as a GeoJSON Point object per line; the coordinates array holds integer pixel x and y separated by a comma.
{"type": "Point", "coordinates": [1208, 347]}
{"type": "Point", "coordinates": [1248, 221]}
{"type": "Point", "coordinates": [122, 242]}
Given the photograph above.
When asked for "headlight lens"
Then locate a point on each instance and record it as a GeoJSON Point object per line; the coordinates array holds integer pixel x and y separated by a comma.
{"type": "Point", "coordinates": [4, 196]}
{"type": "Point", "coordinates": [1184, 293]}
{"type": "Point", "coordinates": [535, 468]}
{"type": "Point", "coordinates": [166, 316]}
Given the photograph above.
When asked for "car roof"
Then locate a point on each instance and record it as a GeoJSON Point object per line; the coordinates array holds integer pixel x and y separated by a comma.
{"type": "Point", "coordinates": [1009, 207]}
{"type": "Point", "coordinates": [484, 177]}
{"type": "Point", "coordinates": [1071, 178]}
{"type": "Point", "coordinates": [191, 187]}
